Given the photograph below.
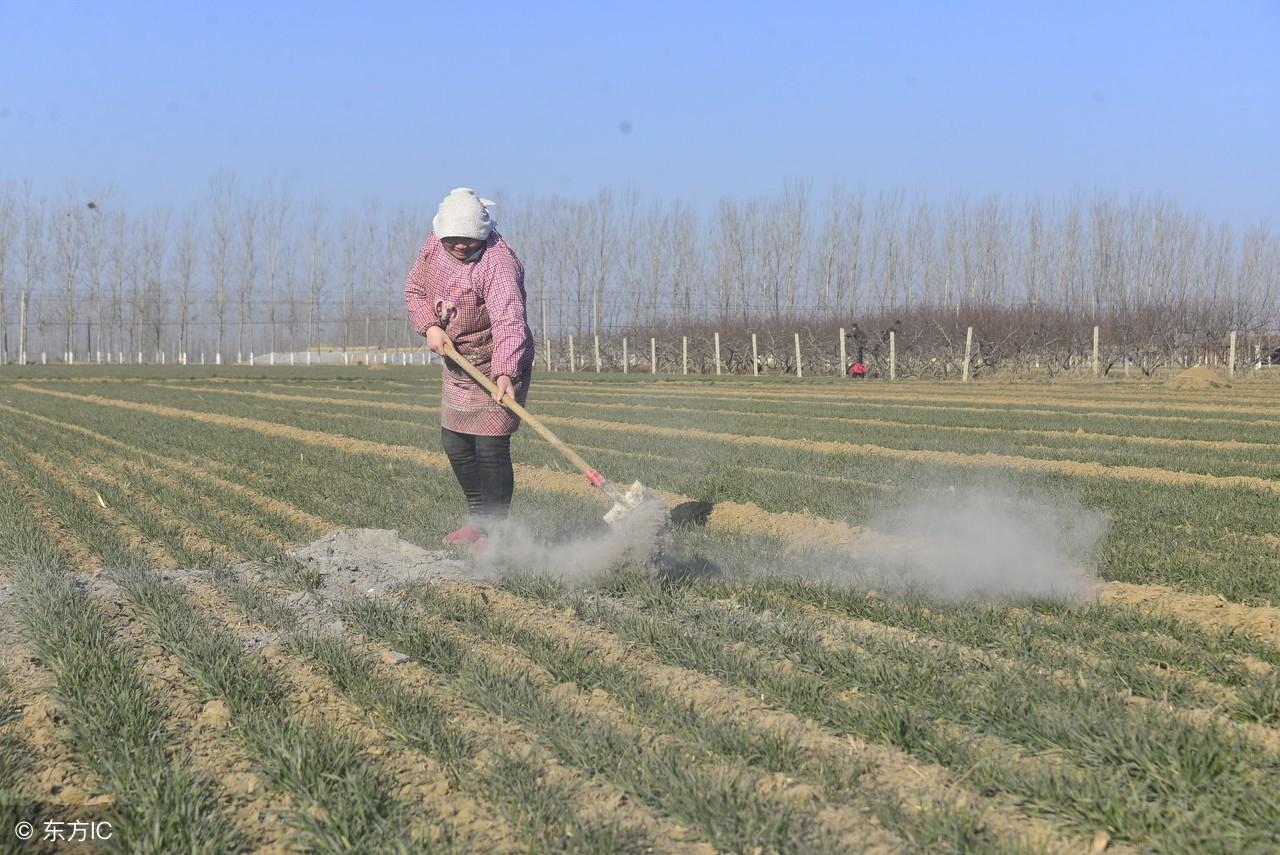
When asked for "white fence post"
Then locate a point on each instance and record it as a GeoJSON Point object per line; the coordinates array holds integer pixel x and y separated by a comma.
{"type": "Point", "coordinates": [893, 356]}
{"type": "Point", "coordinates": [1231, 365]}
{"type": "Point", "coordinates": [717, 354]}
{"type": "Point", "coordinates": [597, 354]}
{"type": "Point", "coordinates": [799, 367]}
{"type": "Point", "coordinates": [968, 349]}
{"type": "Point", "coordinates": [572, 366]}
{"type": "Point", "coordinates": [250, 359]}
{"type": "Point", "coordinates": [624, 354]}
{"type": "Point", "coordinates": [755, 357]}
{"type": "Point", "coordinates": [684, 352]}
{"type": "Point", "coordinates": [1095, 350]}
{"type": "Point", "coordinates": [653, 355]}
{"type": "Point", "coordinates": [548, 354]}
{"type": "Point", "coordinates": [840, 366]}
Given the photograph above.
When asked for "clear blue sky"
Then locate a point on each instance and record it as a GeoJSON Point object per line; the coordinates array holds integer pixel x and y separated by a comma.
{"type": "Point", "coordinates": [403, 101]}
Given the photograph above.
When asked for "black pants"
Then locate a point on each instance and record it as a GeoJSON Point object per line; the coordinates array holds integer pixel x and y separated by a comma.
{"type": "Point", "coordinates": [482, 465]}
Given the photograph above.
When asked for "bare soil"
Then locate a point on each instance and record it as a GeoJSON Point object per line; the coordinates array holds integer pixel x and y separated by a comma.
{"type": "Point", "coordinates": [1198, 377]}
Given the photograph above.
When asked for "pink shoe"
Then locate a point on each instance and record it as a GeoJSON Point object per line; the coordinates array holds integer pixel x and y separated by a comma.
{"type": "Point", "coordinates": [469, 535]}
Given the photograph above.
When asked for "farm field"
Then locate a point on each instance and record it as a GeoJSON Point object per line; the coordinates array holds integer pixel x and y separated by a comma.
{"type": "Point", "coordinates": [883, 642]}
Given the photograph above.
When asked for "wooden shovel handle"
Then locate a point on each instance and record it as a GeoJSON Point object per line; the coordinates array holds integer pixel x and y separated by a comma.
{"type": "Point", "coordinates": [511, 404]}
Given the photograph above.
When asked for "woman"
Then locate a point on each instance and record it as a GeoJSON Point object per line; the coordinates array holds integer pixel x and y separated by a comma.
{"type": "Point", "coordinates": [466, 288]}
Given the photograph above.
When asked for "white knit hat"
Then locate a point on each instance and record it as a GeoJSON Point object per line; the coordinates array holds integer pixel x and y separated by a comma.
{"type": "Point", "coordinates": [463, 214]}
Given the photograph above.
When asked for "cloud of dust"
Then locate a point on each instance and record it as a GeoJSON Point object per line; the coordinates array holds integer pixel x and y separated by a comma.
{"type": "Point", "coordinates": [513, 547]}
{"type": "Point", "coordinates": [993, 541]}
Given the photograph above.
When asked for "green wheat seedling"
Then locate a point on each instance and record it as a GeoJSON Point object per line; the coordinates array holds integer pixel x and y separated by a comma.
{"type": "Point", "coordinates": [590, 668]}
{"type": "Point", "coordinates": [343, 800]}
{"type": "Point", "coordinates": [549, 821]}
{"type": "Point", "coordinates": [116, 724]}
{"type": "Point", "coordinates": [1134, 763]}
{"type": "Point", "coordinates": [726, 807]}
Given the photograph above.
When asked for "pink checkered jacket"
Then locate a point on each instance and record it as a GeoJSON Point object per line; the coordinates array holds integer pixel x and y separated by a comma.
{"type": "Point", "coordinates": [481, 307]}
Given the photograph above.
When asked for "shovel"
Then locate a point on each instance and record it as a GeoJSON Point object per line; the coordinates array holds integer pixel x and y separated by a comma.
{"type": "Point", "coordinates": [638, 506]}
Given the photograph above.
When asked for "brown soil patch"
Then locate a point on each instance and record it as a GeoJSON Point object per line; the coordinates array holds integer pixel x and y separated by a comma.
{"type": "Point", "coordinates": [57, 783]}
{"type": "Point", "coordinates": [1198, 377]}
{"type": "Point", "coordinates": [314, 399]}
{"type": "Point", "coordinates": [1210, 611]}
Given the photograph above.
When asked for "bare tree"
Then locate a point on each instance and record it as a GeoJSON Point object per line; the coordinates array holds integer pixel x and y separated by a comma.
{"type": "Point", "coordinates": [184, 274]}
{"type": "Point", "coordinates": [8, 231]}
{"type": "Point", "coordinates": [248, 278]}
{"type": "Point", "coordinates": [94, 257]}
{"type": "Point", "coordinates": [275, 212]}
{"type": "Point", "coordinates": [369, 269]}
{"type": "Point", "coordinates": [221, 199]}
{"type": "Point", "coordinates": [122, 263]}
{"type": "Point", "coordinates": [151, 306]}
{"type": "Point", "coordinates": [348, 244]}
{"type": "Point", "coordinates": [315, 270]}
{"type": "Point", "coordinates": [68, 238]}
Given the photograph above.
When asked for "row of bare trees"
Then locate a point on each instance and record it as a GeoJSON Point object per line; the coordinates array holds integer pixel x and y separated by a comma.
{"type": "Point", "coordinates": [262, 271]}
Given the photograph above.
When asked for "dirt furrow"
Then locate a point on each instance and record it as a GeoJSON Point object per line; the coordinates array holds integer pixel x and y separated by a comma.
{"type": "Point", "coordinates": [881, 394]}
{"type": "Point", "coordinates": [951, 458]}
{"type": "Point", "coordinates": [58, 785]}
{"type": "Point", "coordinates": [1208, 610]}
{"type": "Point", "coordinates": [838, 398]}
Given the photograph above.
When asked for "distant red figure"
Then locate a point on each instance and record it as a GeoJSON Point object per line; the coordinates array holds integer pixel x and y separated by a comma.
{"type": "Point", "coordinates": [858, 371]}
